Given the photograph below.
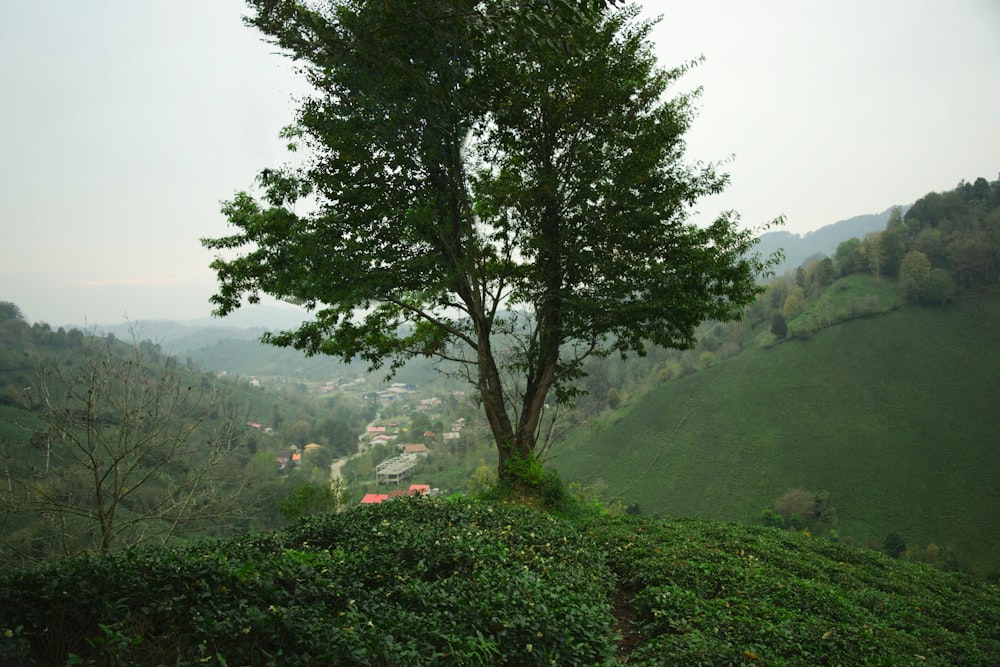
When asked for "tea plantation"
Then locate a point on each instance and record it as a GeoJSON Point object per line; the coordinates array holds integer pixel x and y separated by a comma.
{"type": "Point", "coordinates": [466, 582]}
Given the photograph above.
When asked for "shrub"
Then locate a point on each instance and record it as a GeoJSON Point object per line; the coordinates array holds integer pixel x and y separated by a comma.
{"type": "Point", "coordinates": [894, 546]}
{"type": "Point", "coordinates": [797, 502]}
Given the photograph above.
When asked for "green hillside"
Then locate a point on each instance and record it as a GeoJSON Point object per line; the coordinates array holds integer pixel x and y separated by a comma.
{"type": "Point", "coordinates": [894, 417]}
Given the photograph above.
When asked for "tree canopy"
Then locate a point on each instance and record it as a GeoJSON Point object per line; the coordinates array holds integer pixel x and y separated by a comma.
{"type": "Point", "coordinates": [488, 188]}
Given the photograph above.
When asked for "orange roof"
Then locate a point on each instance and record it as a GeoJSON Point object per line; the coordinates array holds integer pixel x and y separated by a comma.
{"type": "Point", "coordinates": [374, 498]}
{"type": "Point", "coordinates": [422, 489]}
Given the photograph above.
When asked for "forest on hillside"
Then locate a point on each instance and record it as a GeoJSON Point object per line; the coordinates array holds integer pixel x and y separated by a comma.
{"type": "Point", "coordinates": [107, 443]}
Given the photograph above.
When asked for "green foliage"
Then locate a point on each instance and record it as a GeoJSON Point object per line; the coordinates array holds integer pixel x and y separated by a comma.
{"type": "Point", "coordinates": [893, 545]}
{"type": "Point", "coordinates": [914, 275]}
{"type": "Point", "coordinates": [848, 257]}
{"type": "Point", "coordinates": [779, 327]}
{"type": "Point", "coordinates": [456, 582]}
{"type": "Point", "coordinates": [10, 311]}
{"type": "Point", "coordinates": [529, 482]}
{"type": "Point", "coordinates": [614, 398]}
{"type": "Point", "coordinates": [311, 498]}
{"type": "Point", "coordinates": [772, 519]}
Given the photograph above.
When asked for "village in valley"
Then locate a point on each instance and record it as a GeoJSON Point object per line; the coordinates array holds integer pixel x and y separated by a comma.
{"type": "Point", "coordinates": [415, 432]}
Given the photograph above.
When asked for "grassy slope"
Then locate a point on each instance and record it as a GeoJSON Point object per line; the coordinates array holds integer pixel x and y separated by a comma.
{"type": "Point", "coordinates": [894, 416]}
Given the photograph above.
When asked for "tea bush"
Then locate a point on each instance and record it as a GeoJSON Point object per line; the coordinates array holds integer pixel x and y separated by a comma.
{"type": "Point", "coordinates": [412, 582]}
{"type": "Point", "coordinates": [461, 582]}
{"type": "Point", "coordinates": [717, 594]}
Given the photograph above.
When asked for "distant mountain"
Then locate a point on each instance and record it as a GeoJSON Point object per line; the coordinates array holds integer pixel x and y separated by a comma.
{"type": "Point", "coordinates": [181, 337]}
{"type": "Point", "coordinates": [823, 241]}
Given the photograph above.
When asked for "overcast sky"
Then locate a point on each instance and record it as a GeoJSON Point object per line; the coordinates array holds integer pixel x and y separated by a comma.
{"type": "Point", "coordinates": [124, 123]}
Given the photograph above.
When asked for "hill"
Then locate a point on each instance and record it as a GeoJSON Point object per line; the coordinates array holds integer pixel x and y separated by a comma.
{"type": "Point", "coordinates": [890, 420]}
{"type": "Point", "coordinates": [798, 248]}
{"type": "Point", "coordinates": [459, 582]}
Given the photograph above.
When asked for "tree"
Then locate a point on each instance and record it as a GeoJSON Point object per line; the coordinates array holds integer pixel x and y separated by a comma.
{"type": "Point", "coordinates": [797, 502]}
{"type": "Point", "coordinates": [122, 454]}
{"type": "Point", "coordinates": [914, 275]}
{"type": "Point", "coordinates": [795, 303]}
{"type": "Point", "coordinates": [940, 286]}
{"type": "Point", "coordinates": [873, 250]}
{"type": "Point", "coordinates": [311, 498]}
{"type": "Point", "coordinates": [779, 327]}
{"type": "Point", "coordinates": [819, 274]}
{"type": "Point", "coordinates": [894, 545]}
{"type": "Point", "coordinates": [10, 311]}
{"type": "Point", "coordinates": [849, 258]}
{"type": "Point", "coordinates": [485, 196]}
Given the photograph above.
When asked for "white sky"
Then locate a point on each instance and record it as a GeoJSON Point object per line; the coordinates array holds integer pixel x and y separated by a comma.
{"type": "Point", "coordinates": [124, 123]}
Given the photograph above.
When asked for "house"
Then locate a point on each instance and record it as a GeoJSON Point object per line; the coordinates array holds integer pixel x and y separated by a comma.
{"type": "Point", "coordinates": [396, 469]}
{"type": "Point", "coordinates": [418, 448]}
{"type": "Point", "coordinates": [428, 403]}
{"type": "Point", "coordinates": [419, 490]}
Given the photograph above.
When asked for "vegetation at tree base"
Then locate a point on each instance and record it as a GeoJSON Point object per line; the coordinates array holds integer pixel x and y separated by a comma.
{"type": "Point", "coordinates": [461, 582]}
{"type": "Point", "coordinates": [502, 192]}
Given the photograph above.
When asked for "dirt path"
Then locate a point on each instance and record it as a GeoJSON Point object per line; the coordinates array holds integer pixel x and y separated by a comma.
{"type": "Point", "coordinates": [336, 466]}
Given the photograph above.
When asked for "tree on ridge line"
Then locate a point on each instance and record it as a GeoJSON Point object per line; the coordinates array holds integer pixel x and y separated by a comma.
{"type": "Point", "coordinates": [501, 192]}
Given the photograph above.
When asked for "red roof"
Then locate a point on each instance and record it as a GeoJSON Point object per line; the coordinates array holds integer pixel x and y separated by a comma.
{"type": "Point", "coordinates": [376, 429]}
{"type": "Point", "coordinates": [374, 498]}
{"type": "Point", "coordinates": [422, 489]}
